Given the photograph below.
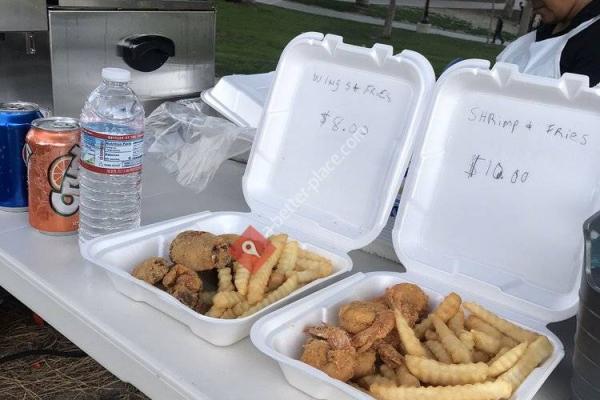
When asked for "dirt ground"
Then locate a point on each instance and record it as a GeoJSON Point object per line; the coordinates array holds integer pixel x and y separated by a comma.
{"type": "Point", "coordinates": [66, 374]}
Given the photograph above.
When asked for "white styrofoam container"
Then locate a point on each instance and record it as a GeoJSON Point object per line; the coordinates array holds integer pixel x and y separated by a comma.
{"type": "Point", "coordinates": [119, 253]}
{"type": "Point", "coordinates": [240, 98]}
{"type": "Point", "coordinates": [516, 248]}
{"type": "Point", "coordinates": [292, 183]}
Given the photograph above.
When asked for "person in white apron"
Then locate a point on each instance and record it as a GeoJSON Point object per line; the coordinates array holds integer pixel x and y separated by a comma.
{"type": "Point", "coordinates": [567, 41]}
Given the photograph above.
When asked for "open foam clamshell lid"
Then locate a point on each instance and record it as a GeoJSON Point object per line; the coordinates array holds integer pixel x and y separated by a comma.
{"type": "Point", "coordinates": [240, 98]}
{"type": "Point", "coordinates": [335, 139]}
{"type": "Point", "coordinates": [501, 182]}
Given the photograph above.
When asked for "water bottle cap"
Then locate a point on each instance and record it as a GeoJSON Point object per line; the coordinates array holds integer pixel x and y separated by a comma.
{"type": "Point", "coordinates": [116, 75]}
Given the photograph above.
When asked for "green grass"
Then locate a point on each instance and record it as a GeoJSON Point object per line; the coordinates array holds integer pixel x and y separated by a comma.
{"type": "Point", "coordinates": [404, 14]}
{"type": "Point", "coordinates": [250, 38]}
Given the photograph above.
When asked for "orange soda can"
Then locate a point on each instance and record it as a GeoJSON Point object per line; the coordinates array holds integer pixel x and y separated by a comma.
{"type": "Point", "coordinates": [52, 153]}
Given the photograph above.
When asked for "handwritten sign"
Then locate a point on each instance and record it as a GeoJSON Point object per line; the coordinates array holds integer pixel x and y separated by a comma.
{"type": "Point", "coordinates": [351, 86]}
{"type": "Point", "coordinates": [339, 124]}
{"type": "Point", "coordinates": [517, 126]}
{"type": "Point", "coordinates": [495, 170]}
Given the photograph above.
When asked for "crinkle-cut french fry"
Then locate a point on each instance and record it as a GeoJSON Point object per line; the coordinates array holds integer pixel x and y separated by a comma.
{"type": "Point", "coordinates": [322, 267]}
{"type": "Point", "coordinates": [457, 322]}
{"type": "Point", "coordinates": [405, 378]}
{"type": "Point", "coordinates": [467, 339]}
{"type": "Point", "coordinates": [500, 353]}
{"type": "Point", "coordinates": [242, 278]}
{"type": "Point", "coordinates": [431, 335]}
{"type": "Point", "coordinates": [411, 344]}
{"type": "Point", "coordinates": [485, 342]}
{"type": "Point", "coordinates": [215, 312]}
{"type": "Point", "coordinates": [439, 351]}
{"type": "Point", "coordinates": [240, 308]}
{"type": "Point", "coordinates": [387, 372]}
{"type": "Point", "coordinates": [367, 381]}
{"type": "Point", "coordinates": [504, 326]}
{"type": "Point", "coordinates": [457, 350]}
{"type": "Point", "coordinates": [228, 314]}
{"type": "Point", "coordinates": [428, 354]}
{"type": "Point", "coordinates": [260, 279]}
{"type": "Point", "coordinates": [474, 322]}
{"type": "Point", "coordinates": [480, 391]}
{"type": "Point", "coordinates": [437, 373]}
{"type": "Point", "coordinates": [227, 299]}
{"type": "Point", "coordinates": [303, 264]}
{"type": "Point", "coordinates": [275, 280]}
{"type": "Point", "coordinates": [536, 353]}
{"type": "Point", "coordinates": [310, 255]}
{"type": "Point", "coordinates": [480, 356]}
{"type": "Point", "coordinates": [282, 291]}
{"type": "Point", "coordinates": [325, 269]}
{"type": "Point", "coordinates": [507, 341]}
{"type": "Point", "coordinates": [446, 310]}
{"type": "Point", "coordinates": [507, 360]}
{"type": "Point", "coordinates": [225, 280]}
{"type": "Point", "coordinates": [288, 258]}
{"type": "Point", "coordinates": [307, 276]}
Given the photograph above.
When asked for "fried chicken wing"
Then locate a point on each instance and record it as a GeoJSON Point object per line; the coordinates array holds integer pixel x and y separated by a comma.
{"type": "Point", "coordinates": [183, 284]}
{"type": "Point", "coordinates": [221, 256]}
{"type": "Point", "coordinates": [151, 270]}
{"type": "Point", "coordinates": [199, 251]}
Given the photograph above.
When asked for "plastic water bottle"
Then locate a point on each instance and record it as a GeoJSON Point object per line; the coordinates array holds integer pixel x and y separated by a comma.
{"type": "Point", "coordinates": [112, 146]}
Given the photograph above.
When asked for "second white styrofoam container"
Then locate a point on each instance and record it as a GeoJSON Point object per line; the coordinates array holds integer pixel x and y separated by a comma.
{"type": "Point", "coordinates": [330, 153]}
{"type": "Point", "coordinates": [281, 334]}
{"type": "Point", "coordinates": [502, 178]}
{"type": "Point", "coordinates": [240, 98]}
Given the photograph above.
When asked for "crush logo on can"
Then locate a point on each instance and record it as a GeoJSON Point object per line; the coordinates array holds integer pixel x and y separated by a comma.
{"type": "Point", "coordinates": [63, 176]}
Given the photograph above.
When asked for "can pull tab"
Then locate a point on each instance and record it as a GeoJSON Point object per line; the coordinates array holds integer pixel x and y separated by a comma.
{"type": "Point", "coordinates": [30, 49]}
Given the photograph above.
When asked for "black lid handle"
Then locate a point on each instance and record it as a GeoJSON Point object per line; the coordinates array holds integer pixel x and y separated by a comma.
{"type": "Point", "coordinates": [145, 53]}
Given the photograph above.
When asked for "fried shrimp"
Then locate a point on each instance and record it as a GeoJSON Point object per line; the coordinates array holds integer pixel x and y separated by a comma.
{"type": "Point", "coordinates": [334, 355]}
{"type": "Point", "coordinates": [359, 315]}
{"type": "Point", "coordinates": [410, 299]}
{"type": "Point", "coordinates": [365, 364]}
{"type": "Point", "coordinates": [389, 355]}
{"type": "Point", "coordinates": [383, 324]}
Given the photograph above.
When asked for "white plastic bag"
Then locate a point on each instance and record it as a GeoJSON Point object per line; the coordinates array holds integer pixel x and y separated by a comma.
{"type": "Point", "coordinates": [191, 144]}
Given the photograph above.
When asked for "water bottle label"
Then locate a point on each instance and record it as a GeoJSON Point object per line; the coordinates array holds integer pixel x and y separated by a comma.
{"type": "Point", "coordinates": [112, 154]}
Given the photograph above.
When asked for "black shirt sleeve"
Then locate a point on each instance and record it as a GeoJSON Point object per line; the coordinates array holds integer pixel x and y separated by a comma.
{"type": "Point", "coordinates": [581, 55]}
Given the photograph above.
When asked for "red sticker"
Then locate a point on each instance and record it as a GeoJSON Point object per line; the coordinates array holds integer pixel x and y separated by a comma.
{"type": "Point", "coordinates": [252, 249]}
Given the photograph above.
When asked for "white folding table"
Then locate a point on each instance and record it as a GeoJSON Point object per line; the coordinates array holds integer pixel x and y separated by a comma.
{"type": "Point", "coordinates": [143, 346]}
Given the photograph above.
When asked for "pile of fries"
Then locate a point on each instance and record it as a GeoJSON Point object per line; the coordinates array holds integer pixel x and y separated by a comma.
{"type": "Point", "coordinates": [287, 269]}
{"type": "Point", "coordinates": [459, 351]}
